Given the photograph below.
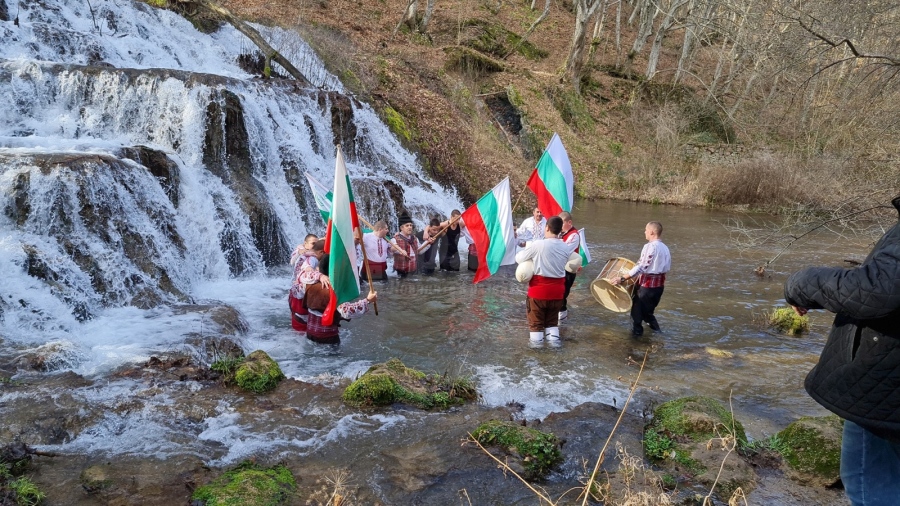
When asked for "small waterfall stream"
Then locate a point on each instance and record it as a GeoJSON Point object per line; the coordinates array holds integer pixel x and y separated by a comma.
{"type": "Point", "coordinates": [138, 159]}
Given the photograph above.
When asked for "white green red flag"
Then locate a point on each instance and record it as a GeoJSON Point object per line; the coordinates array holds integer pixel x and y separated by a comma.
{"type": "Point", "coordinates": [339, 242]}
{"type": "Point", "coordinates": [552, 180]}
{"type": "Point", "coordinates": [490, 224]}
{"type": "Point", "coordinates": [322, 196]}
{"type": "Point", "coordinates": [582, 249]}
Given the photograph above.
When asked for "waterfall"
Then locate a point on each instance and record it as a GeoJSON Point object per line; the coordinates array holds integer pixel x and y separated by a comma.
{"type": "Point", "coordinates": [138, 159]}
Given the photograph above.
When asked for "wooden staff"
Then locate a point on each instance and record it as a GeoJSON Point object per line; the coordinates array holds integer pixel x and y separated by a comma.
{"type": "Point", "coordinates": [368, 270]}
{"type": "Point", "coordinates": [519, 197]}
{"type": "Point", "coordinates": [393, 246]}
{"type": "Point", "coordinates": [441, 231]}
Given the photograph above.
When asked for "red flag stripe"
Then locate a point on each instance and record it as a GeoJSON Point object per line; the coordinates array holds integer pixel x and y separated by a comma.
{"type": "Point", "coordinates": [546, 203]}
{"type": "Point", "coordinates": [475, 224]}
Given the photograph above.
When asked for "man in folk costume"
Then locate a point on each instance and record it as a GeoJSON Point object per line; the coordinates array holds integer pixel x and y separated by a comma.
{"type": "Point", "coordinates": [377, 249]}
{"type": "Point", "coordinates": [406, 241]}
{"type": "Point", "coordinates": [313, 250]}
{"type": "Point", "coordinates": [532, 228]}
{"type": "Point", "coordinates": [318, 295]}
{"type": "Point", "coordinates": [652, 267]}
{"type": "Point", "coordinates": [573, 242]}
{"type": "Point", "coordinates": [547, 286]}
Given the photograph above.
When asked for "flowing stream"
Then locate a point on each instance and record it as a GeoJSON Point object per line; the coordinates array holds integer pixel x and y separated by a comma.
{"type": "Point", "coordinates": [105, 261]}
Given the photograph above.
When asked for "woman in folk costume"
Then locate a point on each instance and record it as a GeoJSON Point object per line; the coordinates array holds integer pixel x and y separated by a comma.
{"type": "Point", "coordinates": [318, 295]}
{"type": "Point", "coordinates": [449, 245]}
{"type": "Point", "coordinates": [406, 241]}
{"type": "Point", "coordinates": [306, 262]}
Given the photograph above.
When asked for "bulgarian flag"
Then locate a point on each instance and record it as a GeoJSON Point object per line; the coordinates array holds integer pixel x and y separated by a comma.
{"type": "Point", "coordinates": [490, 224]}
{"type": "Point", "coordinates": [582, 249]}
{"type": "Point", "coordinates": [322, 196]}
{"type": "Point", "coordinates": [339, 241]}
{"type": "Point", "coordinates": [552, 180]}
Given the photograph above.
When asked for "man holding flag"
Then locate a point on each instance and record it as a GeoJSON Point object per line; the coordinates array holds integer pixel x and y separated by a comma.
{"type": "Point", "coordinates": [553, 183]}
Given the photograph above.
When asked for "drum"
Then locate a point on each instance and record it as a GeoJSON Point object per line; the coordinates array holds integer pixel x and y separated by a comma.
{"type": "Point", "coordinates": [614, 297]}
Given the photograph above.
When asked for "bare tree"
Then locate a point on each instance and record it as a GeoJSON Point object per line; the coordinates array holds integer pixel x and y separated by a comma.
{"type": "Point", "coordinates": [584, 10]}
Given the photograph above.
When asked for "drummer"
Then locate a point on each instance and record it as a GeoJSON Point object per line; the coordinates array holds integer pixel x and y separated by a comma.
{"type": "Point", "coordinates": [652, 267]}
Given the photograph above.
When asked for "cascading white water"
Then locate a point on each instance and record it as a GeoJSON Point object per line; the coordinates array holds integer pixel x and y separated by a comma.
{"type": "Point", "coordinates": [82, 85]}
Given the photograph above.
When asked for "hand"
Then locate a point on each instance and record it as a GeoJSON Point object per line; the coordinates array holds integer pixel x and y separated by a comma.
{"type": "Point", "coordinates": [799, 310]}
{"type": "Point", "coordinates": [325, 281]}
{"type": "Point", "coordinates": [618, 281]}
{"type": "Point", "coordinates": [521, 243]}
{"type": "Point", "coordinates": [372, 296]}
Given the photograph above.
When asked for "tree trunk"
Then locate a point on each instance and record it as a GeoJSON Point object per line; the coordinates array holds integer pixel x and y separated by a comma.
{"type": "Point", "coordinates": [584, 9]}
{"type": "Point", "coordinates": [598, 29]}
{"type": "Point", "coordinates": [531, 28]}
{"type": "Point", "coordinates": [429, 10]}
{"type": "Point", "coordinates": [257, 39]}
{"type": "Point", "coordinates": [661, 32]}
{"type": "Point", "coordinates": [409, 16]}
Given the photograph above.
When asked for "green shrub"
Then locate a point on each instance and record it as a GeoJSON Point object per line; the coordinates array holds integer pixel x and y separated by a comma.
{"type": "Point", "coordinates": [249, 484]}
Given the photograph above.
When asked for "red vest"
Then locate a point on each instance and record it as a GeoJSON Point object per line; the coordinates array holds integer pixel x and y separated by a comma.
{"type": "Point", "coordinates": [571, 231]}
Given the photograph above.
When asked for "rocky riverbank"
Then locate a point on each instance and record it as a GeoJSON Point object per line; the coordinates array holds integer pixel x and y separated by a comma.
{"type": "Point", "coordinates": [436, 463]}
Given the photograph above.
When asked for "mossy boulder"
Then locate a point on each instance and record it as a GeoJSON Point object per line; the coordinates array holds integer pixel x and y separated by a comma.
{"type": "Point", "coordinates": [258, 373]}
{"type": "Point", "coordinates": [393, 382]}
{"type": "Point", "coordinates": [786, 320]}
{"type": "Point", "coordinates": [95, 479]}
{"type": "Point", "coordinates": [535, 452]}
{"type": "Point", "coordinates": [249, 484]}
{"type": "Point", "coordinates": [692, 436]}
{"type": "Point", "coordinates": [811, 448]}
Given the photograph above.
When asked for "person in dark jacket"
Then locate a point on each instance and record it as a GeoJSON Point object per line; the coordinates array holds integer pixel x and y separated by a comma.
{"type": "Point", "coordinates": [858, 374]}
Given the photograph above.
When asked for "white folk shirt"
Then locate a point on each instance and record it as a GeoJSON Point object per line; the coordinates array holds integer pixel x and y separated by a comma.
{"type": "Point", "coordinates": [655, 259]}
{"type": "Point", "coordinates": [549, 256]}
{"type": "Point", "coordinates": [531, 231]}
{"type": "Point", "coordinates": [377, 248]}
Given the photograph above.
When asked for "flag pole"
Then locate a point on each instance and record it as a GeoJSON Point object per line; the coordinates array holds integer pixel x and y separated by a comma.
{"type": "Point", "coordinates": [442, 231]}
{"type": "Point", "coordinates": [519, 197]}
{"type": "Point", "coordinates": [366, 264]}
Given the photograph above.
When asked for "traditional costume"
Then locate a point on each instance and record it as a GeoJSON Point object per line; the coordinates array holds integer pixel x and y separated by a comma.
{"type": "Point", "coordinates": [377, 249]}
{"type": "Point", "coordinates": [316, 302]}
{"type": "Point", "coordinates": [573, 243]}
{"type": "Point", "coordinates": [405, 265]}
{"type": "Point", "coordinates": [546, 288]}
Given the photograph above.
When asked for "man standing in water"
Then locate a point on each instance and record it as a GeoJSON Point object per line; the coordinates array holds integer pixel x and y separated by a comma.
{"type": "Point", "coordinates": [377, 248]}
{"type": "Point", "coordinates": [858, 374]}
{"type": "Point", "coordinates": [547, 286]}
{"type": "Point", "coordinates": [532, 228]}
{"type": "Point", "coordinates": [652, 267]}
{"type": "Point", "coordinates": [573, 241]}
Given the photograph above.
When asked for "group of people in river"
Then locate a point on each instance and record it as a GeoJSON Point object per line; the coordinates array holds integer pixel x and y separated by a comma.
{"type": "Point", "coordinates": [549, 244]}
{"type": "Point", "coordinates": [857, 376]}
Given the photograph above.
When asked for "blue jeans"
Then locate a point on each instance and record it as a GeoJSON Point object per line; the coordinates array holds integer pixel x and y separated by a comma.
{"type": "Point", "coordinates": [870, 467]}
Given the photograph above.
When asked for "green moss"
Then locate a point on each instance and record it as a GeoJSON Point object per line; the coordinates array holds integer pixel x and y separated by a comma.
{"type": "Point", "coordinates": [787, 320]}
{"type": "Point", "coordinates": [813, 445]}
{"type": "Point", "coordinates": [539, 450]}
{"type": "Point", "coordinates": [515, 98]}
{"type": "Point", "coordinates": [393, 382]}
{"type": "Point", "coordinates": [572, 108]}
{"type": "Point", "coordinates": [689, 419]}
{"type": "Point", "coordinates": [396, 123]}
{"type": "Point", "coordinates": [493, 39]}
{"type": "Point", "coordinates": [258, 373]}
{"type": "Point", "coordinates": [249, 484]}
